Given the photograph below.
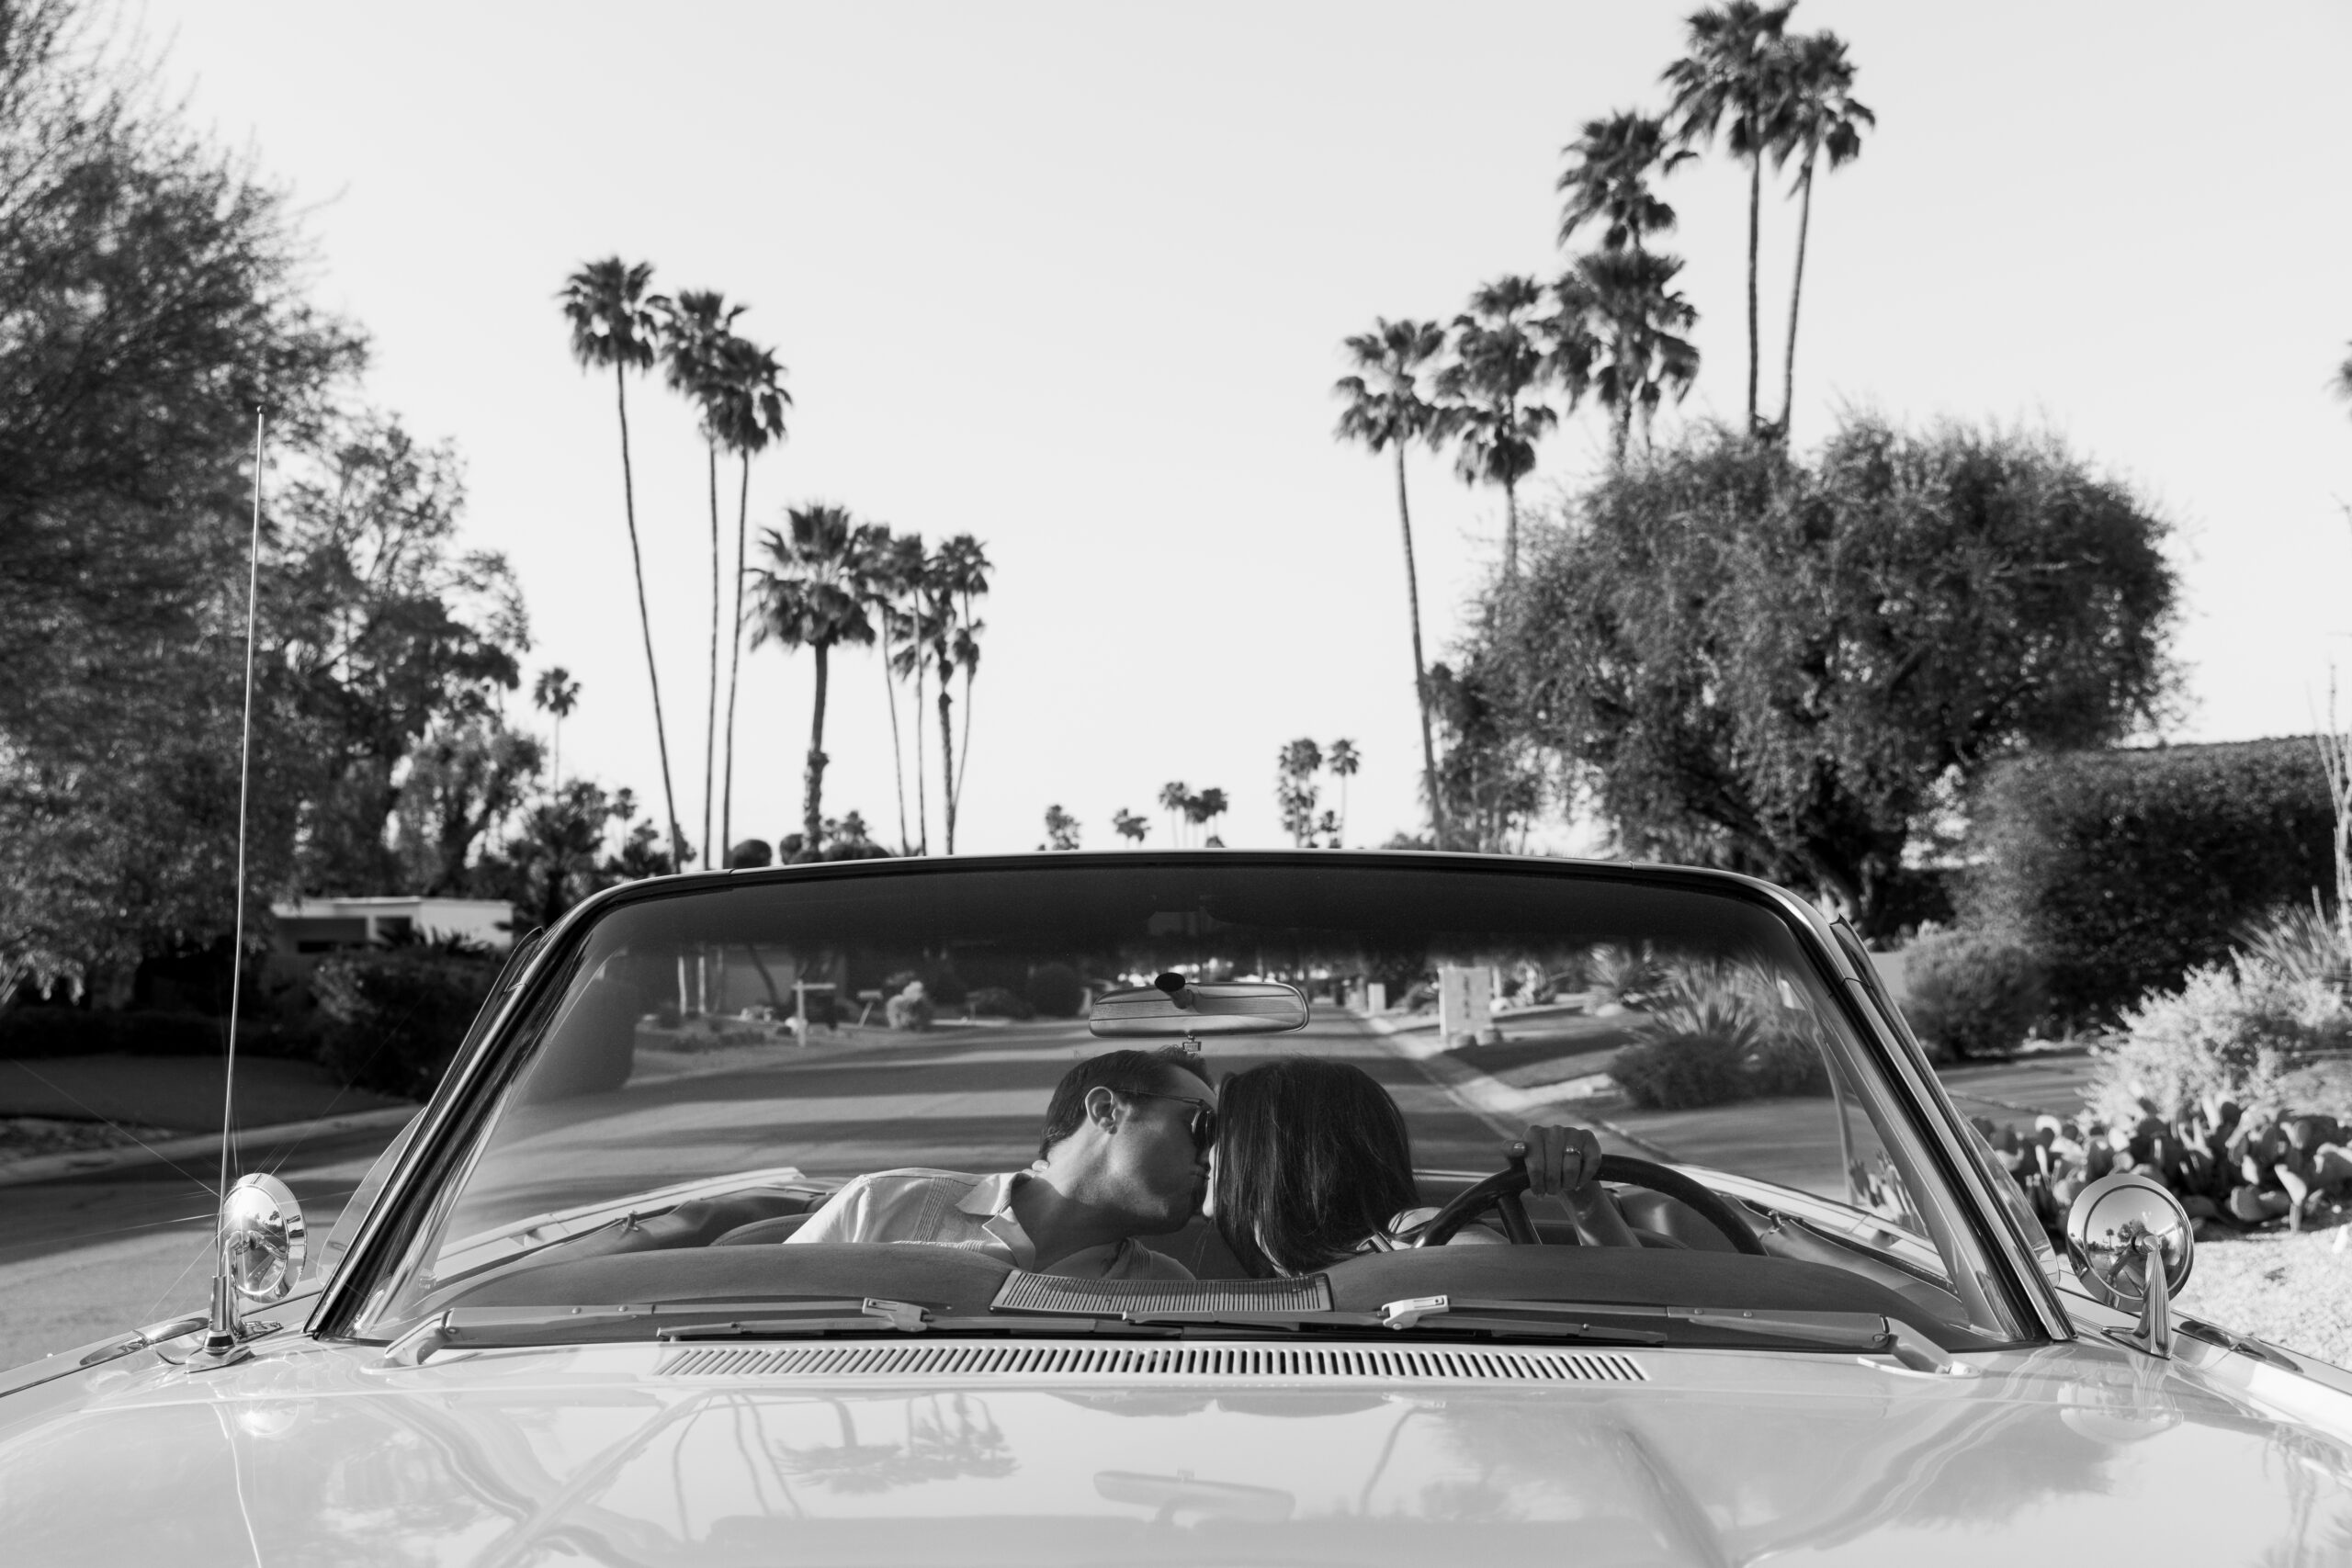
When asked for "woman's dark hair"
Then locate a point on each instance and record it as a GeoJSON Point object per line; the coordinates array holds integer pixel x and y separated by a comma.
{"type": "Point", "coordinates": [1312, 1157]}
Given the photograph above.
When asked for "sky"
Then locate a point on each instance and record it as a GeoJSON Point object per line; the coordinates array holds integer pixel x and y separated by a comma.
{"type": "Point", "coordinates": [1073, 278]}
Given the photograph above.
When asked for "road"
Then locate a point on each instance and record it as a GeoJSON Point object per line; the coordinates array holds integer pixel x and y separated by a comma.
{"type": "Point", "coordinates": [82, 1258]}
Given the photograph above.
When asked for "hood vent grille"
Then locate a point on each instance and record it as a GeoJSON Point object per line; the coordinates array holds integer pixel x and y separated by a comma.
{"type": "Point", "coordinates": [1158, 1363]}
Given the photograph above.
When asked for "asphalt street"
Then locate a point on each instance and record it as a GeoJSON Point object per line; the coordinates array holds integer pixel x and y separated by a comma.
{"type": "Point", "coordinates": [86, 1257]}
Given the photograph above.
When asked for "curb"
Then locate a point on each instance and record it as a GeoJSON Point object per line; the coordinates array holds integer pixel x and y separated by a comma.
{"type": "Point", "coordinates": [202, 1146]}
{"type": "Point", "coordinates": [1497, 1103]}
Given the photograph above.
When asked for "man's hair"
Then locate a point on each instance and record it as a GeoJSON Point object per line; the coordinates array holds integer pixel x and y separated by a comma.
{"type": "Point", "coordinates": [1121, 1072]}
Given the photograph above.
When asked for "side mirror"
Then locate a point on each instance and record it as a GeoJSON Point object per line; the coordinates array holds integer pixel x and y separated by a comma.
{"type": "Point", "coordinates": [263, 1238]}
{"type": "Point", "coordinates": [2133, 1246]}
{"type": "Point", "coordinates": [1172, 1008]}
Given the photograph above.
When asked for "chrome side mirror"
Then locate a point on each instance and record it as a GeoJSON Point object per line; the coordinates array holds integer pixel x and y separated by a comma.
{"type": "Point", "coordinates": [2133, 1246]}
{"type": "Point", "coordinates": [262, 1242]}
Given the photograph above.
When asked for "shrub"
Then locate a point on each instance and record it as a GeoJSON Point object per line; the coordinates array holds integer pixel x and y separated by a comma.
{"type": "Point", "coordinates": [1672, 1071]}
{"type": "Point", "coordinates": [2301, 942]}
{"type": "Point", "coordinates": [997, 1001]}
{"type": "Point", "coordinates": [84, 1031]}
{"type": "Point", "coordinates": [395, 1016]}
{"type": "Point", "coordinates": [1055, 990]}
{"type": "Point", "coordinates": [1717, 1033]}
{"type": "Point", "coordinates": [1623, 975]}
{"type": "Point", "coordinates": [2232, 1032]}
{"type": "Point", "coordinates": [1973, 993]}
{"type": "Point", "coordinates": [909, 1007]}
{"type": "Point", "coordinates": [2126, 869]}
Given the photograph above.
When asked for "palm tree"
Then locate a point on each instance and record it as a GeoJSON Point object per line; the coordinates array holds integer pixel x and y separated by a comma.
{"type": "Point", "coordinates": [955, 576]}
{"type": "Point", "coordinates": [1173, 796]}
{"type": "Point", "coordinates": [1493, 412]}
{"type": "Point", "coordinates": [1128, 825]}
{"type": "Point", "coordinates": [1626, 301]}
{"type": "Point", "coordinates": [556, 693]}
{"type": "Point", "coordinates": [615, 321]}
{"type": "Point", "coordinates": [2342, 383]}
{"type": "Point", "coordinates": [1821, 117]}
{"type": "Point", "coordinates": [695, 331]}
{"type": "Point", "coordinates": [1736, 67]}
{"type": "Point", "coordinates": [1214, 807]}
{"type": "Point", "coordinates": [811, 595]}
{"type": "Point", "coordinates": [748, 415]}
{"type": "Point", "coordinates": [1385, 409]}
{"type": "Point", "coordinates": [898, 578]}
{"type": "Point", "coordinates": [1614, 160]}
{"type": "Point", "coordinates": [1344, 760]}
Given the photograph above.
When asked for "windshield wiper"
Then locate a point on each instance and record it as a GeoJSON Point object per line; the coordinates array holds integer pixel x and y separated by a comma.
{"type": "Point", "coordinates": [484, 1328]}
{"type": "Point", "coordinates": [1867, 1332]}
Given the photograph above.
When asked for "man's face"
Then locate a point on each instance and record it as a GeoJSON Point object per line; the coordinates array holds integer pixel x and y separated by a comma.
{"type": "Point", "coordinates": [1156, 1169]}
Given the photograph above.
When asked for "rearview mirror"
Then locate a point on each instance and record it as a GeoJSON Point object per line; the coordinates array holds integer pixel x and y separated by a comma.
{"type": "Point", "coordinates": [1173, 1007]}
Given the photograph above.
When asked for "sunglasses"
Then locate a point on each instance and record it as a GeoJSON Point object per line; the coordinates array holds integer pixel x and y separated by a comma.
{"type": "Point", "coordinates": [1202, 1123]}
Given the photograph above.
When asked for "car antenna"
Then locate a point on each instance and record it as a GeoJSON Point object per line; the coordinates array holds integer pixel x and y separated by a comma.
{"type": "Point", "coordinates": [220, 1338]}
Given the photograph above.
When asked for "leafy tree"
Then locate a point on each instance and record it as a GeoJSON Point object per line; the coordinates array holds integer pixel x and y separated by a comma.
{"type": "Point", "coordinates": [1061, 830]}
{"type": "Point", "coordinates": [1128, 825]}
{"type": "Point", "coordinates": [696, 330]}
{"type": "Point", "coordinates": [1820, 117]}
{"type": "Point", "coordinates": [1345, 761]}
{"type": "Point", "coordinates": [1624, 302]}
{"type": "Point", "coordinates": [1294, 792]}
{"type": "Point", "coordinates": [1494, 781]}
{"type": "Point", "coordinates": [1787, 669]}
{"type": "Point", "coordinates": [465, 779]}
{"type": "Point", "coordinates": [1609, 179]}
{"type": "Point", "coordinates": [551, 861]}
{"type": "Point", "coordinates": [747, 412]}
{"type": "Point", "coordinates": [1386, 410]}
{"type": "Point", "coordinates": [2342, 381]}
{"type": "Point", "coordinates": [1496, 415]}
{"type": "Point", "coordinates": [1734, 68]}
{"type": "Point", "coordinates": [616, 323]}
{"type": "Point", "coordinates": [813, 594]}
{"type": "Point", "coordinates": [556, 693]}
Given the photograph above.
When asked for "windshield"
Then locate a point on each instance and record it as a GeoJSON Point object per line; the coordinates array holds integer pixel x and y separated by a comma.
{"type": "Point", "coordinates": [699, 1075]}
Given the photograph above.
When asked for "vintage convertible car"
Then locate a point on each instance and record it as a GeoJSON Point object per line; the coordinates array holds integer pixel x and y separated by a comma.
{"type": "Point", "coordinates": [564, 1318]}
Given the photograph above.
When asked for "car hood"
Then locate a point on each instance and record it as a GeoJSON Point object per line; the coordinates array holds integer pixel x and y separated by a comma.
{"type": "Point", "coordinates": [606, 1454]}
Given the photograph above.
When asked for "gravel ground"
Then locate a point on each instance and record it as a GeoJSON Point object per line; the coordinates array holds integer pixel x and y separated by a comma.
{"type": "Point", "coordinates": [2294, 1290]}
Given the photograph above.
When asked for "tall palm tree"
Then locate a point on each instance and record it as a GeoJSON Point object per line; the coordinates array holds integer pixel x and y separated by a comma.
{"type": "Point", "coordinates": [810, 594]}
{"type": "Point", "coordinates": [1385, 409]}
{"type": "Point", "coordinates": [616, 323]}
{"type": "Point", "coordinates": [1495, 411]}
{"type": "Point", "coordinates": [1626, 301]}
{"type": "Point", "coordinates": [955, 576]}
{"type": "Point", "coordinates": [1172, 795]}
{"type": "Point", "coordinates": [1613, 161]}
{"type": "Point", "coordinates": [749, 416]}
{"type": "Point", "coordinates": [1821, 116]}
{"type": "Point", "coordinates": [2342, 384]}
{"type": "Point", "coordinates": [898, 578]}
{"type": "Point", "coordinates": [1734, 68]}
{"type": "Point", "coordinates": [695, 331]}
{"type": "Point", "coordinates": [556, 693]}
{"type": "Point", "coordinates": [1344, 761]}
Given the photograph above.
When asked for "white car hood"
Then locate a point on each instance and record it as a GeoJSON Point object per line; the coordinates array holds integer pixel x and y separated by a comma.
{"type": "Point", "coordinates": [308, 1454]}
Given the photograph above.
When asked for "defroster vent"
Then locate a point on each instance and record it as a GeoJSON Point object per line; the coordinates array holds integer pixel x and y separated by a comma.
{"type": "Point", "coordinates": [1150, 1364]}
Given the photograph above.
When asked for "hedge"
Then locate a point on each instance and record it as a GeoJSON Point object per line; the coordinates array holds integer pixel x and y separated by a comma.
{"type": "Point", "coordinates": [395, 1016]}
{"type": "Point", "coordinates": [2124, 869]}
{"type": "Point", "coordinates": [38, 1030]}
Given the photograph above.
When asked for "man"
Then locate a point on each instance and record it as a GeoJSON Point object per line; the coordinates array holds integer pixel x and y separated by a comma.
{"type": "Point", "coordinates": [1124, 1154]}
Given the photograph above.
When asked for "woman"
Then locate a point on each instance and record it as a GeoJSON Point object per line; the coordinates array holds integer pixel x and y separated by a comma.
{"type": "Point", "coordinates": [1313, 1164]}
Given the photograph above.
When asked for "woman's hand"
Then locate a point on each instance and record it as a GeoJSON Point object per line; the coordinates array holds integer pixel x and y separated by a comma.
{"type": "Point", "coordinates": [1561, 1161]}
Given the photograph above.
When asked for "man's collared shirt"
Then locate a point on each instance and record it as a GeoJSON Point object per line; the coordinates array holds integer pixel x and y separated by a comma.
{"type": "Point", "coordinates": [947, 1208]}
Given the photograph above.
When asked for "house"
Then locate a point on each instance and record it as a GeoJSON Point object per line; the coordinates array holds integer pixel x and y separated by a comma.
{"type": "Point", "coordinates": [307, 927]}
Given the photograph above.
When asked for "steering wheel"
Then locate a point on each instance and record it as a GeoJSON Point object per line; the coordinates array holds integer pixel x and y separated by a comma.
{"type": "Point", "coordinates": [1501, 1193]}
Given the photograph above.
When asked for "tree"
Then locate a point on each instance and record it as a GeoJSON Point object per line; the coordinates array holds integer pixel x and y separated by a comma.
{"type": "Point", "coordinates": [1496, 415]}
{"type": "Point", "coordinates": [1494, 779]}
{"type": "Point", "coordinates": [1385, 411]}
{"type": "Point", "coordinates": [462, 780]}
{"type": "Point", "coordinates": [1061, 830]}
{"type": "Point", "coordinates": [556, 693]}
{"type": "Point", "coordinates": [954, 578]}
{"type": "Point", "coordinates": [812, 594]}
{"type": "Point", "coordinates": [2343, 380]}
{"type": "Point", "coordinates": [696, 331]}
{"type": "Point", "coordinates": [1734, 68]}
{"type": "Point", "coordinates": [747, 412]}
{"type": "Point", "coordinates": [1130, 826]}
{"type": "Point", "coordinates": [1624, 302]}
{"type": "Point", "coordinates": [1613, 163]}
{"type": "Point", "coordinates": [1294, 791]}
{"type": "Point", "coordinates": [1173, 799]}
{"type": "Point", "coordinates": [1789, 669]}
{"type": "Point", "coordinates": [1345, 761]}
{"type": "Point", "coordinates": [1212, 804]}
{"type": "Point", "coordinates": [898, 578]}
{"type": "Point", "coordinates": [616, 323]}
{"type": "Point", "coordinates": [1820, 117]}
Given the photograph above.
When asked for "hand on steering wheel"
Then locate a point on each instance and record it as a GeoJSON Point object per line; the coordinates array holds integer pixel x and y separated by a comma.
{"type": "Point", "coordinates": [1562, 1162]}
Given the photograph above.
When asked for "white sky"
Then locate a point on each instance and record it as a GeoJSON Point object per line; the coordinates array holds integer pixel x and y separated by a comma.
{"type": "Point", "coordinates": [1073, 278]}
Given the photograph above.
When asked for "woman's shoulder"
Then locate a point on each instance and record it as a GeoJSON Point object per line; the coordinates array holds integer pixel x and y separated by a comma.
{"type": "Point", "coordinates": [1402, 1225]}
